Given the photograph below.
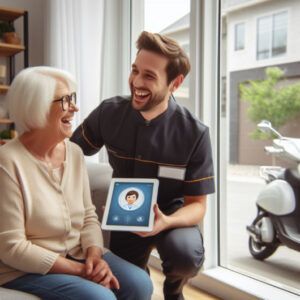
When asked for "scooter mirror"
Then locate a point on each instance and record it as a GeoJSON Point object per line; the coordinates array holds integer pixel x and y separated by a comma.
{"type": "Point", "coordinates": [266, 126]}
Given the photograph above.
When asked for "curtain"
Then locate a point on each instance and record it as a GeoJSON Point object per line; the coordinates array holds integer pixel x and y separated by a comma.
{"type": "Point", "coordinates": [73, 42]}
{"type": "Point", "coordinates": [90, 39]}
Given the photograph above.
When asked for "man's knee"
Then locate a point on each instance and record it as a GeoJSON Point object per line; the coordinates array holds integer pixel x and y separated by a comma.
{"type": "Point", "coordinates": [184, 264]}
{"type": "Point", "coordinates": [182, 253]}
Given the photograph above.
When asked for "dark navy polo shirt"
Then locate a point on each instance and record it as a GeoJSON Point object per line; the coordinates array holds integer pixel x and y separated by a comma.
{"type": "Point", "coordinates": [174, 147]}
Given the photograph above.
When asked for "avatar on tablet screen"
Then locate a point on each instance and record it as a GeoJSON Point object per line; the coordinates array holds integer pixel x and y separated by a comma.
{"type": "Point", "coordinates": [130, 204]}
{"type": "Point", "coordinates": [132, 200]}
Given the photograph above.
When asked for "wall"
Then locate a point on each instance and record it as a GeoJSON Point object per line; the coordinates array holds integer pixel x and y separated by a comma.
{"type": "Point", "coordinates": [246, 59]}
{"type": "Point", "coordinates": [35, 10]}
{"type": "Point", "coordinates": [242, 149]}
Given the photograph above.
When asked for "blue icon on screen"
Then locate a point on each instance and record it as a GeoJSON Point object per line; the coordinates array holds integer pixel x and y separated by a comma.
{"type": "Point", "coordinates": [140, 219]}
{"type": "Point", "coordinates": [115, 218]}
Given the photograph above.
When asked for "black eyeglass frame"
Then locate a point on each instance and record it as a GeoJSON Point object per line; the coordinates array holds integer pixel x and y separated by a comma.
{"type": "Point", "coordinates": [67, 99]}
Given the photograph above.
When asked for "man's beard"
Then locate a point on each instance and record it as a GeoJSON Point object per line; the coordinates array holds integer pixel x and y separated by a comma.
{"type": "Point", "coordinates": [152, 102]}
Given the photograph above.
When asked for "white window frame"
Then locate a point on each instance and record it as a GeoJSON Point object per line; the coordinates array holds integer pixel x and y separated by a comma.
{"type": "Point", "coordinates": [216, 280]}
{"type": "Point", "coordinates": [271, 15]}
{"type": "Point", "coordinates": [236, 36]}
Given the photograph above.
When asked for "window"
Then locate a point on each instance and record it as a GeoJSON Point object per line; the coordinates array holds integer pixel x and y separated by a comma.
{"type": "Point", "coordinates": [241, 154]}
{"type": "Point", "coordinates": [182, 94]}
{"type": "Point", "coordinates": [228, 259]}
{"type": "Point", "coordinates": [174, 23]}
{"type": "Point", "coordinates": [271, 35]}
{"type": "Point", "coordinates": [239, 36]}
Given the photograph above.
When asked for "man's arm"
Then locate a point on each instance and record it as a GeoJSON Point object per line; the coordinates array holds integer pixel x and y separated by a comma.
{"type": "Point", "coordinates": [190, 214]}
{"type": "Point", "coordinates": [88, 134]}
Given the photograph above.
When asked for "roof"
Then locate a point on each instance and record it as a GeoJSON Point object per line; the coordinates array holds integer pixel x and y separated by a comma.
{"type": "Point", "coordinates": [183, 22]}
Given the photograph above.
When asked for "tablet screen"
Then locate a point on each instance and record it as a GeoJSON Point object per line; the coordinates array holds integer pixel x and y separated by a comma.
{"type": "Point", "coordinates": [130, 204]}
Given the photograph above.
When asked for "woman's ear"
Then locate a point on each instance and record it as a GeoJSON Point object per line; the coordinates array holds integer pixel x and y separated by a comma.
{"type": "Point", "coordinates": [175, 84]}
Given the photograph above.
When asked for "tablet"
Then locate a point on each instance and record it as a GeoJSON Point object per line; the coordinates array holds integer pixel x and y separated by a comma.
{"type": "Point", "coordinates": [129, 204]}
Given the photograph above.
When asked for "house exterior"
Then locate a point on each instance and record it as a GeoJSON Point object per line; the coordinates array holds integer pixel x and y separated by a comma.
{"type": "Point", "coordinates": [256, 34]}
{"type": "Point", "coordinates": [259, 34]}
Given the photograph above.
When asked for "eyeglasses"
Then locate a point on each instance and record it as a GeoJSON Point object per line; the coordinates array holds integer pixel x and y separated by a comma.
{"type": "Point", "coordinates": [66, 101]}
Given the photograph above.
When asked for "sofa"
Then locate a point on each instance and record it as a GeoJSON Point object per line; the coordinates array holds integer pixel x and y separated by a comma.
{"type": "Point", "coordinates": [99, 177]}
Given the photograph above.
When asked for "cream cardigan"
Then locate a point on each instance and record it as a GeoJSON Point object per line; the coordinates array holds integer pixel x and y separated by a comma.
{"type": "Point", "coordinates": [40, 218]}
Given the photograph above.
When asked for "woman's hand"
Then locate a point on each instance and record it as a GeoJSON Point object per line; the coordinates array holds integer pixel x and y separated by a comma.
{"type": "Point", "coordinates": [97, 269]}
{"type": "Point", "coordinates": [67, 266]}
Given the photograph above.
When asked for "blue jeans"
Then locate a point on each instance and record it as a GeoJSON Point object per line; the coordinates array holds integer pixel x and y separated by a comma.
{"type": "Point", "coordinates": [181, 251]}
{"type": "Point", "coordinates": [135, 284]}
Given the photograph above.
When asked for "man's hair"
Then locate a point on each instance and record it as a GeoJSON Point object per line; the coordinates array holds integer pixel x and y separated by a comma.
{"type": "Point", "coordinates": [178, 61]}
{"type": "Point", "coordinates": [31, 93]}
{"type": "Point", "coordinates": [130, 193]}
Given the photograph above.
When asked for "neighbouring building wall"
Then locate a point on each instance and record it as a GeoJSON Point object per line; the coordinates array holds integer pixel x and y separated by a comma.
{"type": "Point", "coordinates": [243, 65]}
{"type": "Point", "coordinates": [246, 59]}
{"type": "Point", "coordinates": [243, 149]}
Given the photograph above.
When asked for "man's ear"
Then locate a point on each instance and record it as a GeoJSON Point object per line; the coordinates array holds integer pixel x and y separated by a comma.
{"type": "Point", "coordinates": [175, 84]}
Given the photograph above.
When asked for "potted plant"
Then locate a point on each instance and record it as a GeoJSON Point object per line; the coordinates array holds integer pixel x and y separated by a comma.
{"type": "Point", "coordinates": [8, 33]}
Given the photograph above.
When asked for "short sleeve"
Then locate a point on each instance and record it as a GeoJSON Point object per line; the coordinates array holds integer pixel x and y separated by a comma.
{"type": "Point", "coordinates": [88, 134]}
{"type": "Point", "coordinates": [199, 177]}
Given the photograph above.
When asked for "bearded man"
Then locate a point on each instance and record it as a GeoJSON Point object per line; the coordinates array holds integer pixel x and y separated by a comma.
{"type": "Point", "coordinates": [149, 135]}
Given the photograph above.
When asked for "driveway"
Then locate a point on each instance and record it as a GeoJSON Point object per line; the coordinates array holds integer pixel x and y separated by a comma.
{"type": "Point", "coordinates": [283, 267]}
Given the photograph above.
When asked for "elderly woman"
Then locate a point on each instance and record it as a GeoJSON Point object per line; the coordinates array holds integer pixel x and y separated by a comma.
{"type": "Point", "coordinates": [50, 239]}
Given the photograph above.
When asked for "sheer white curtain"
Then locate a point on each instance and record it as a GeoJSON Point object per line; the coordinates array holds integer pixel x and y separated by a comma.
{"type": "Point", "coordinates": [74, 39]}
{"type": "Point", "coordinates": [91, 39]}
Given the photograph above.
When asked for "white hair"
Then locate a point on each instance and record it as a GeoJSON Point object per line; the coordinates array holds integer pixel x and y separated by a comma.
{"type": "Point", "coordinates": [31, 93]}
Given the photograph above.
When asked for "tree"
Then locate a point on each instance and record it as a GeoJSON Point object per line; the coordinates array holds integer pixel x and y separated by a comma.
{"type": "Point", "coordinates": [270, 101]}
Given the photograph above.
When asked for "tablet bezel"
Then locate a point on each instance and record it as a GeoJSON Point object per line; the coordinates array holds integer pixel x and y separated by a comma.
{"type": "Point", "coordinates": [148, 228]}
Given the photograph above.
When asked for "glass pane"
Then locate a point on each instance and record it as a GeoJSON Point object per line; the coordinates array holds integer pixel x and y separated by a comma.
{"type": "Point", "coordinates": [239, 36]}
{"type": "Point", "coordinates": [279, 34]}
{"type": "Point", "coordinates": [264, 35]}
{"type": "Point", "coordinates": [172, 18]}
{"type": "Point", "coordinates": [253, 90]}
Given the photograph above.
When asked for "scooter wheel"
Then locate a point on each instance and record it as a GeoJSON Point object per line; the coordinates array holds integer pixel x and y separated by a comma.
{"type": "Point", "coordinates": [260, 250]}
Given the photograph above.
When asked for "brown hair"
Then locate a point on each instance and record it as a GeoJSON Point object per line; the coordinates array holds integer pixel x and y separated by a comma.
{"type": "Point", "coordinates": [178, 61]}
{"type": "Point", "coordinates": [130, 193]}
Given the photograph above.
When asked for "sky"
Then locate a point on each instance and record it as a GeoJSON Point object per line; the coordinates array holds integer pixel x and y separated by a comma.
{"type": "Point", "coordinates": [161, 13]}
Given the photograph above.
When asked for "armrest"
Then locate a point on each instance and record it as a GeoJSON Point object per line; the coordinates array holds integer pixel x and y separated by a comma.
{"type": "Point", "coordinates": [99, 175]}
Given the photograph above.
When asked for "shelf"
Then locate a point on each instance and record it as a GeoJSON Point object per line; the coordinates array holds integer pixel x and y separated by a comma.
{"type": "Point", "coordinates": [3, 88]}
{"type": "Point", "coordinates": [10, 49]}
{"type": "Point", "coordinates": [6, 121]}
{"type": "Point", "coordinates": [4, 141]}
{"type": "Point", "coordinates": [8, 52]}
{"type": "Point", "coordinates": [10, 15]}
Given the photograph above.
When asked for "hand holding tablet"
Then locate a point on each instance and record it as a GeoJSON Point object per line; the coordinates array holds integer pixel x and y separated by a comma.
{"type": "Point", "coordinates": [129, 204]}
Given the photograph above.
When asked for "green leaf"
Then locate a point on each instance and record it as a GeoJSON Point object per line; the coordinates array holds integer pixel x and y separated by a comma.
{"type": "Point", "coordinates": [272, 99]}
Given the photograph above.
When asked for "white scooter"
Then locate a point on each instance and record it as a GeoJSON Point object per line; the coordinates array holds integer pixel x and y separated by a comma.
{"type": "Point", "coordinates": [278, 218]}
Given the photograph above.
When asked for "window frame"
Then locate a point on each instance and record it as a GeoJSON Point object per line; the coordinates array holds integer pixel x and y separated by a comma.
{"type": "Point", "coordinates": [271, 34]}
{"type": "Point", "coordinates": [215, 279]}
{"type": "Point", "coordinates": [236, 47]}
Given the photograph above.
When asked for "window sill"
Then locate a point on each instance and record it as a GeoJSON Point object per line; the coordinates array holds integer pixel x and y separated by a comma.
{"type": "Point", "coordinates": [221, 281]}
{"type": "Point", "coordinates": [227, 284]}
